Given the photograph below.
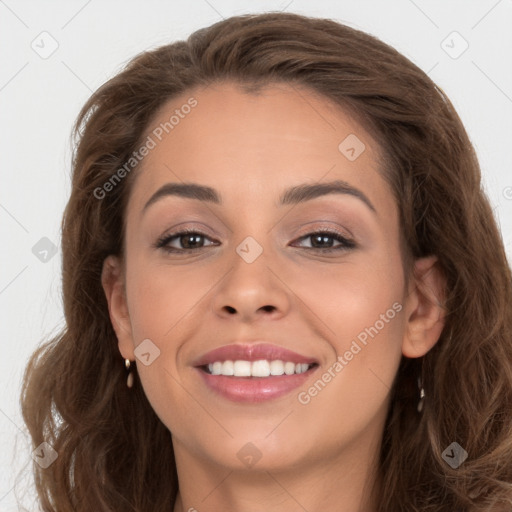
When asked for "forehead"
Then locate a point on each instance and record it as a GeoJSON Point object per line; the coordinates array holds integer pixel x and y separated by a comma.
{"type": "Point", "coordinates": [246, 143]}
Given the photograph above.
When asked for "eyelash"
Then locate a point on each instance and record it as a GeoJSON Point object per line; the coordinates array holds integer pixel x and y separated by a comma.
{"type": "Point", "coordinates": [345, 243]}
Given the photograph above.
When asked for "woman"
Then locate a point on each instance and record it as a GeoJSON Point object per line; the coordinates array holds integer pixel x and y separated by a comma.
{"type": "Point", "coordinates": [284, 288]}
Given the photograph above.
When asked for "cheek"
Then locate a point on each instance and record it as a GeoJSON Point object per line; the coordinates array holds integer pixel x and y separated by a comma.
{"type": "Point", "coordinates": [348, 298]}
{"type": "Point", "coordinates": [358, 309]}
{"type": "Point", "coordinates": [361, 317]}
{"type": "Point", "coordinates": [161, 296]}
{"type": "Point", "coordinates": [162, 303]}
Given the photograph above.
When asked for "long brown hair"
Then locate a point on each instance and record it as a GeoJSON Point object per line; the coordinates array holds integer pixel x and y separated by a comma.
{"type": "Point", "coordinates": [114, 454]}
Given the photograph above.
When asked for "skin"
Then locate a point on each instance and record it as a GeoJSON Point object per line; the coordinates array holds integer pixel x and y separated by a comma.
{"type": "Point", "coordinates": [318, 456]}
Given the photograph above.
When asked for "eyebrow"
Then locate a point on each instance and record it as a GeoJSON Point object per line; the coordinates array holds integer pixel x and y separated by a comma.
{"type": "Point", "coordinates": [293, 195]}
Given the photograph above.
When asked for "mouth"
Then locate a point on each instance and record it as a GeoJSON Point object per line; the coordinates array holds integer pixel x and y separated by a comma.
{"type": "Point", "coordinates": [260, 380]}
{"type": "Point", "coordinates": [253, 372]}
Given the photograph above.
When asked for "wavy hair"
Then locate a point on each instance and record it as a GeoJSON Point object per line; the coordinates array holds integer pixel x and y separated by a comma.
{"type": "Point", "coordinates": [114, 453]}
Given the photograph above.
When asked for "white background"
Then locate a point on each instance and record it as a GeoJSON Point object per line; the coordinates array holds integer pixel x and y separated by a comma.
{"type": "Point", "coordinates": [40, 99]}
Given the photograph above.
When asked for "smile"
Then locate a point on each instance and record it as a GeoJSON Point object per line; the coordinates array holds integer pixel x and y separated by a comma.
{"type": "Point", "coordinates": [253, 372]}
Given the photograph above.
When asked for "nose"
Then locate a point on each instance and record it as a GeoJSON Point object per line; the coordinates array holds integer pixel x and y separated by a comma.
{"type": "Point", "coordinates": [251, 291]}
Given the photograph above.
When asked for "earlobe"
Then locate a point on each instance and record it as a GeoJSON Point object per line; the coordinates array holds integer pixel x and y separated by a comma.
{"type": "Point", "coordinates": [424, 309]}
{"type": "Point", "coordinates": [112, 280]}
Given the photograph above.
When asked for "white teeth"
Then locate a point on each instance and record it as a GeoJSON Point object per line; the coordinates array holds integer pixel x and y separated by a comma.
{"type": "Point", "coordinates": [260, 368]}
{"type": "Point", "coordinates": [242, 368]}
{"type": "Point", "coordinates": [276, 367]}
{"type": "Point", "coordinates": [228, 368]}
{"type": "Point", "coordinates": [289, 368]}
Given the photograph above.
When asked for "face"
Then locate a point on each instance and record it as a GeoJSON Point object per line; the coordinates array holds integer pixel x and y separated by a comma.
{"type": "Point", "coordinates": [295, 245]}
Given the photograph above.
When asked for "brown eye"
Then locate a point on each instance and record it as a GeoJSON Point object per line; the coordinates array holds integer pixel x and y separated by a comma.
{"type": "Point", "coordinates": [187, 240]}
{"type": "Point", "coordinates": [325, 241]}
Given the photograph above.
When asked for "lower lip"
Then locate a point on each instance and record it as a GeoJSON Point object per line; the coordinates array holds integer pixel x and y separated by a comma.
{"type": "Point", "coordinates": [254, 389]}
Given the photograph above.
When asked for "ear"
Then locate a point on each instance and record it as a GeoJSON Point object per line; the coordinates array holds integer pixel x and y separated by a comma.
{"type": "Point", "coordinates": [112, 280]}
{"type": "Point", "coordinates": [424, 311]}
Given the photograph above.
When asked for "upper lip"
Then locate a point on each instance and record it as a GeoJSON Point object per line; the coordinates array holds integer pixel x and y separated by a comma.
{"type": "Point", "coordinates": [252, 352]}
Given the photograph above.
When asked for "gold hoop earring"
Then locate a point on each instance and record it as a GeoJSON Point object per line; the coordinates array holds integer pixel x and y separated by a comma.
{"type": "Point", "coordinates": [129, 380]}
